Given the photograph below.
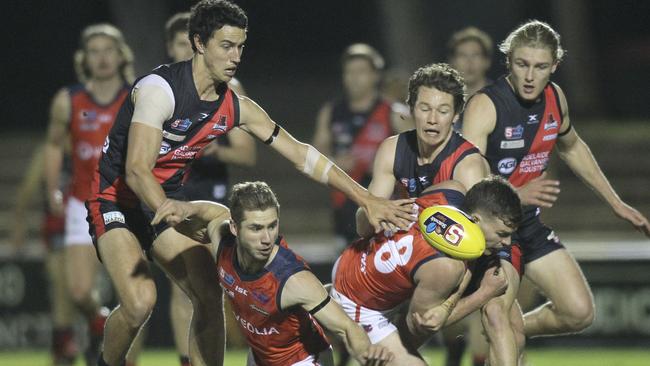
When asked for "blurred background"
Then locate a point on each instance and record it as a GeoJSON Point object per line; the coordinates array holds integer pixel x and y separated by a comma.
{"type": "Point", "coordinates": [291, 66]}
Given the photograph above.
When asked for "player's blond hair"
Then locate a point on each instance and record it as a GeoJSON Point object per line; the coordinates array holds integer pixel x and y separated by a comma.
{"type": "Point", "coordinates": [103, 29]}
{"type": "Point", "coordinates": [533, 33]}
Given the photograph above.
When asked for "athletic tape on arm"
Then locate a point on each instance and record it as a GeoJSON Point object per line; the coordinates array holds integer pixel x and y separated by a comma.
{"type": "Point", "coordinates": [317, 165]}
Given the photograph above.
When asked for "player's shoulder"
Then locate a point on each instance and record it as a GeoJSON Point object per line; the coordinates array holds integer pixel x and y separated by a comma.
{"type": "Point", "coordinates": [561, 95]}
{"type": "Point", "coordinates": [286, 262]}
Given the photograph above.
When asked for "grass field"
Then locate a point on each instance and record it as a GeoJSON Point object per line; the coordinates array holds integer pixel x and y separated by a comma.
{"type": "Point", "coordinates": [542, 357]}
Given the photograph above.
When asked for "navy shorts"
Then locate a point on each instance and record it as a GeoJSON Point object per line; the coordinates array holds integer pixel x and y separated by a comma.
{"type": "Point", "coordinates": [535, 239]}
{"type": "Point", "coordinates": [105, 215]}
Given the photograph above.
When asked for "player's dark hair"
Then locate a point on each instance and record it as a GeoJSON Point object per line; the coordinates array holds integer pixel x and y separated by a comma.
{"type": "Point", "coordinates": [208, 16]}
{"type": "Point", "coordinates": [176, 24]}
{"type": "Point", "coordinates": [471, 34]}
{"type": "Point", "coordinates": [440, 76]}
{"type": "Point", "coordinates": [533, 33]}
{"type": "Point", "coordinates": [365, 52]}
{"type": "Point", "coordinates": [251, 196]}
{"type": "Point", "coordinates": [494, 196]}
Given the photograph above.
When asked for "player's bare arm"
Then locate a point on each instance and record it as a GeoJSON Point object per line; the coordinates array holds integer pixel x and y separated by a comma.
{"type": "Point", "coordinates": [382, 185]}
{"type": "Point", "coordinates": [305, 290]}
{"type": "Point", "coordinates": [575, 152]}
{"type": "Point", "coordinates": [479, 120]}
{"type": "Point", "coordinates": [471, 170]}
{"type": "Point", "coordinates": [493, 284]}
{"type": "Point", "coordinates": [57, 134]}
{"type": "Point", "coordinates": [435, 281]}
{"type": "Point", "coordinates": [315, 165]}
{"type": "Point", "coordinates": [203, 220]}
{"type": "Point", "coordinates": [142, 152]}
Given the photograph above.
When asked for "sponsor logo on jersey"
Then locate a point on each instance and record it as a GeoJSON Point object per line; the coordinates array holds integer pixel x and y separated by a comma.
{"type": "Point", "coordinates": [516, 144]}
{"type": "Point", "coordinates": [241, 290]}
{"type": "Point", "coordinates": [181, 124]}
{"type": "Point", "coordinates": [532, 119]}
{"type": "Point", "coordinates": [412, 186]}
{"type": "Point", "coordinates": [88, 115]}
{"type": "Point", "coordinates": [535, 162]}
{"type": "Point", "coordinates": [202, 116]}
{"type": "Point", "coordinates": [221, 124]}
{"type": "Point", "coordinates": [107, 143]}
{"type": "Point", "coordinates": [228, 279]}
{"type": "Point", "coordinates": [164, 148]}
{"type": "Point", "coordinates": [259, 310]}
{"type": "Point", "coordinates": [503, 254]}
{"type": "Point", "coordinates": [507, 165]}
{"type": "Point", "coordinates": [549, 137]}
{"type": "Point", "coordinates": [551, 123]}
{"type": "Point", "coordinates": [113, 216]}
{"type": "Point", "coordinates": [513, 133]}
{"type": "Point", "coordinates": [260, 297]}
{"type": "Point", "coordinates": [86, 151]}
{"type": "Point", "coordinates": [185, 152]}
{"type": "Point", "coordinates": [423, 180]}
{"type": "Point", "coordinates": [253, 329]}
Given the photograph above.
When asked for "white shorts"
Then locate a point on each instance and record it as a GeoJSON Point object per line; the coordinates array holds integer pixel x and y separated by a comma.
{"type": "Point", "coordinates": [376, 323]}
{"type": "Point", "coordinates": [76, 226]}
{"type": "Point", "coordinates": [325, 358]}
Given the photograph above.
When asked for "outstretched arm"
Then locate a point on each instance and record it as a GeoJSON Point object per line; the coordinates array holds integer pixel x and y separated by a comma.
{"type": "Point", "coordinates": [305, 290]}
{"type": "Point", "coordinates": [575, 152]}
{"type": "Point", "coordinates": [315, 165]}
{"type": "Point", "coordinates": [57, 134]}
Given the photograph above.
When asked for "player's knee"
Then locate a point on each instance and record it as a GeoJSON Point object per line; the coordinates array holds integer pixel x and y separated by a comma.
{"type": "Point", "coordinates": [580, 316]}
{"type": "Point", "coordinates": [137, 310]}
{"type": "Point", "coordinates": [495, 315]}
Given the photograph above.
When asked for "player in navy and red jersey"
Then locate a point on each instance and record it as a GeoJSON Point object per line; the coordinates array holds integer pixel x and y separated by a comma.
{"type": "Point", "coordinates": [82, 115]}
{"type": "Point", "coordinates": [350, 129]}
{"type": "Point", "coordinates": [470, 53]}
{"type": "Point", "coordinates": [169, 116]}
{"type": "Point", "coordinates": [432, 152]}
{"type": "Point", "coordinates": [517, 122]}
{"type": "Point", "coordinates": [207, 177]}
{"type": "Point", "coordinates": [278, 303]}
{"type": "Point", "coordinates": [376, 277]}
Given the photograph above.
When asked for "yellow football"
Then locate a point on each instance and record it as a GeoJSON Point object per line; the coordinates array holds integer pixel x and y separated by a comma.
{"type": "Point", "coordinates": [451, 231]}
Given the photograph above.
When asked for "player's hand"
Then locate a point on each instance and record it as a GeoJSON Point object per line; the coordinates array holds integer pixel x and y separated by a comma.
{"type": "Point", "coordinates": [389, 215]}
{"type": "Point", "coordinates": [432, 320]}
{"type": "Point", "coordinates": [636, 218]}
{"type": "Point", "coordinates": [376, 355]}
{"type": "Point", "coordinates": [494, 282]}
{"type": "Point", "coordinates": [173, 212]}
{"type": "Point", "coordinates": [540, 191]}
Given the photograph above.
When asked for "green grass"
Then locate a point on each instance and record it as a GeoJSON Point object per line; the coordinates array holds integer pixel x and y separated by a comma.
{"type": "Point", "coordinates": [539, 357]}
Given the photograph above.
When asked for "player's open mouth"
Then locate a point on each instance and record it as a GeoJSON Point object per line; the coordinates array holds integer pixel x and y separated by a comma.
{"type": "Point", "coordinates": [432, 132]}
{"type": "Point", "coordinates": [231, 71]}
{"type": "Point", "coordinates": [528, 89]}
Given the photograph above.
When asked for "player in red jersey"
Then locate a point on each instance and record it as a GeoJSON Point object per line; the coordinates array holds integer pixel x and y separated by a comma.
{"type": "Point", "coordinates": [350, 129]}
{"type": "Point", "coordinates": [278, 303]}
{"type": "Point", "coordinates": [208, 176]}
{"type": "Point", "coordinates": [516, 123]}
{"type": "Point", "coordinates": [376, 278]}
{"type": "Point", "coordinates": [169, 117]}
{"type": "Point", "coordinates": [83, 114]}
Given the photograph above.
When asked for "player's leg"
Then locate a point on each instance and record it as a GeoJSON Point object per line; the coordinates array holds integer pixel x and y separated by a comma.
{"type": "Point", "coordinates": [401, 355]}
{"type": "Point", "coordinates": [180, 312]}
{"type": "Point", "coordinates": [64, 348]}
{"type": "Point", "coordinates": [191, 266]}
{"type": "Point", "coordinates": [476, 341]}
{"type": "Point", "coordinates": [496, 321]}
{"type": "Point", "coordinates": [517, 324]}
{"type": "Point", "coordinates": [453, 338]}
{"type": "Point", "coordinates": [81, 269]}
{"type": "Point", "coordinates": [571, 305]}
{"type": "Point", "coordinates": [132, 279]}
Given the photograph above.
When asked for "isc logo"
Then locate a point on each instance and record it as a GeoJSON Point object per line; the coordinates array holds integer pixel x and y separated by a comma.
{"type": "Point", "coordinates": [507, 165]}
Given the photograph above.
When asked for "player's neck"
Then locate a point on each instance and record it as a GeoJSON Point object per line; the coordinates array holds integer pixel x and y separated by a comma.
{"type": "Point", "coordinates": [427, 153]}
{"type": "Point", "coordinates": [363, 102]}
{"type": "Point", "coordinates": [205, 84]}
{"type": "Point", "coordinates": [249, 264]}
{"type": "Point", "coordinates": [104, 90]}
